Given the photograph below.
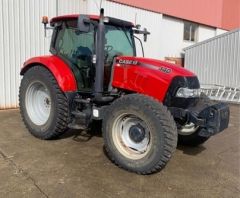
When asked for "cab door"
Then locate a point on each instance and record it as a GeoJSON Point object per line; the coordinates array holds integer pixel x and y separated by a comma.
{"type": "Point", "coordinates": [76, 48]}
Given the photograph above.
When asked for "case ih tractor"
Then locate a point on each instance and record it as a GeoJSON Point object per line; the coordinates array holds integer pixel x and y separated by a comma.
{"type": "Point", "coordinates": [146, 105]}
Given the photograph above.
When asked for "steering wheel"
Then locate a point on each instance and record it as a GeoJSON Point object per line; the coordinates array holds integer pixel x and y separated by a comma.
{"type": "Point", "coordinates": [108, 48]}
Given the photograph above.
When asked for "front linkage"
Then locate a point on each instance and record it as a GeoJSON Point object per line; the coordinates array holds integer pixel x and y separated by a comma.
{"type": "Point", "coordinates": [212, 117]}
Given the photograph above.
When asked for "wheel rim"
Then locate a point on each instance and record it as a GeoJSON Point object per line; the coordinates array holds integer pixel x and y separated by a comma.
{"type": "Point", "coordinates": [131, 136]}
{"type": "Point", "coordinates": [38, 103]}
{"type": "Point", "coordinates": [188, 129]}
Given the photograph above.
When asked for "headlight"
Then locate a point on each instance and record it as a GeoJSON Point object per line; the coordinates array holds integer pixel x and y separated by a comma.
{"type": "Point", "coordinates": [188, 93]}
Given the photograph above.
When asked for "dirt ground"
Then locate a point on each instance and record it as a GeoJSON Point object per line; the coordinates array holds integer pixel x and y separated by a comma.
{"type": "Point", "coordinates": [75, 166]}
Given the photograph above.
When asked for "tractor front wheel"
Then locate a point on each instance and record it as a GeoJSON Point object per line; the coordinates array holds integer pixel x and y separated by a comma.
{"type": "Point", "coordinates": [43, 106]}
{"type": "Point", "coordinates": [140, 134]}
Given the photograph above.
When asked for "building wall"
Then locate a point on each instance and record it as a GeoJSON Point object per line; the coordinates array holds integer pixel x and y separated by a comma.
{"type": "Point", "coordinates": [220, 31]}
{"type": "Point", "coordinates": [171, 36]}
{"type": "Point", "coordinates": [224, 14]}
{"type": "Point", "coordinates": [22, 34]}
{"type": "Point", "coordinates": [152, 21]}
{"type": "Point", "coordinates": [71, 7]}
{"type": "Point", "coordinates": [205, 32]}
{"type": "Point", "coordinates": [216, 61]}
{"type": "Point", "coordinates": [231, 14]}
{"type": "Point", "coordinates": [166, 39]}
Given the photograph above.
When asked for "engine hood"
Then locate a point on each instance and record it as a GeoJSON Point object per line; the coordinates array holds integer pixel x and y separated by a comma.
{"type": "Point", "coordinates": [155, 65]}
{"type": "Point", "coordinates": [148, 76]}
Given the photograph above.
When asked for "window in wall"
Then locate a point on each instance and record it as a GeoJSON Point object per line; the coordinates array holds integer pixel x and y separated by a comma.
{"type": "Point", "coordinates": [190, 31]}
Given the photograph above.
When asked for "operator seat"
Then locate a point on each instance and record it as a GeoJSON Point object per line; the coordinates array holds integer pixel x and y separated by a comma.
{"type": "Point", "coordinates": [82, 54]}
{"type": "Point", "coordinates": [82, 58]}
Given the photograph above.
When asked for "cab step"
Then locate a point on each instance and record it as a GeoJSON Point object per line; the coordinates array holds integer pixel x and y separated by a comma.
{"type": "Point", "coordinates": [76, 126]}
{"type": "Point", "coordinates": [79, 114]}
{"type": "Point", "coordinates": [82, 101]}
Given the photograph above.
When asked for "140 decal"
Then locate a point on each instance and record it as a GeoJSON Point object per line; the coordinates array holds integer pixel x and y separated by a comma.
{"type": "Point", "coordinates": [165, 70]}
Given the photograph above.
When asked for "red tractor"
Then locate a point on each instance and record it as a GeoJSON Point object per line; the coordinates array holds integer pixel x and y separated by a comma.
{"type": "Point", "coordinates": [146, 105]}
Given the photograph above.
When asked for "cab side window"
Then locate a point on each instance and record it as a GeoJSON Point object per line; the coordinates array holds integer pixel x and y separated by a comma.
{"type": "Point", "coordinates": [77, 48]}
{"type": "Point", "coordinates": [75, 45]}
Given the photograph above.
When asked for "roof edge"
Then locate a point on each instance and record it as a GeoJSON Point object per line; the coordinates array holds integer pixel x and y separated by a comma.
{"type": "Point", "coordinates": [220, 26]}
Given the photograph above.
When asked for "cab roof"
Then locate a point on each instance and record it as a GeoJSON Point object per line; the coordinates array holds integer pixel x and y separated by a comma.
{"type": "Point", "coordinates": [112, 20]}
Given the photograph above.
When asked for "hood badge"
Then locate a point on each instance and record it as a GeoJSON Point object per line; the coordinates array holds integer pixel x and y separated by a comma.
{"type": "Point", "coordinates": [135, 62]}
{"type": "Point", "coordinates": [127, 62]}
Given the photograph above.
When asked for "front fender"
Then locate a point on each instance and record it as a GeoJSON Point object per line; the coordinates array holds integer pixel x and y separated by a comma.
{"type": "Point", "coordinates": [60, 70]}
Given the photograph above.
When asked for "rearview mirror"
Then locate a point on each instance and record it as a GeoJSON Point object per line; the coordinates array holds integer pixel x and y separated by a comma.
{"type": "Point", "coordinates": [137, 30]}
{"type": "Point", "coordinates": [84, 23]}
{"type": "Point", "coordinates": [145, 33]}
{"type": "Point", "coordinates": [138, 26]}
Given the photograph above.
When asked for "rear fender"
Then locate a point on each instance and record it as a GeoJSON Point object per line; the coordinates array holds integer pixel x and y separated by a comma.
{"type": "Point", "coordinates": [60, 70]}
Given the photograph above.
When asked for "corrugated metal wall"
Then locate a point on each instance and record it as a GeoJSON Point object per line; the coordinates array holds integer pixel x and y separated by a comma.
{"type": "Point", "coordinates": [71, 7]}
{"type": "Point", "coordinates": [217, 60]}
{"type": "Point", "coordinates": [22, 36]}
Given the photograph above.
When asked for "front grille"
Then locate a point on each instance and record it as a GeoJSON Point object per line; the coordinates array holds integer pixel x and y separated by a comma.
{"type": "Point", "coordinates": [179, 81]}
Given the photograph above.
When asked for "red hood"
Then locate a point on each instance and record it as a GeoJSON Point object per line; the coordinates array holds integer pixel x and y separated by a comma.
{"type": "Point", "coordinates": [162, 66]}
{"type": "Point", "coordinates": [146, 76]}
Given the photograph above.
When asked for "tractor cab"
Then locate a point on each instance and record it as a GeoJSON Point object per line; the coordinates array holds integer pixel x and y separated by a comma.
{"type": "Point", "coordinates": [77, 45]}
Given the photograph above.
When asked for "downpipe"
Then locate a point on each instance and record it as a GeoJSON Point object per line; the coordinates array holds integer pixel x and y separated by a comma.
{"type": "Point", "coordinates": [99, 72]}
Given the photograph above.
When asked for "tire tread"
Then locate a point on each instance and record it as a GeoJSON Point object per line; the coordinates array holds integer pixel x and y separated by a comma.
{"type": "Point", "coordinates": [61, 124]}
{"type": "Point", "coordinates": [168, 125]}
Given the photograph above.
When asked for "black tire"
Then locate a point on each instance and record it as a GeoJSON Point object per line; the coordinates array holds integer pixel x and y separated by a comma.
{"type": "Point", "coordinates": [58, 119]}
{"type": "Point", "coordinates": [192, 140]}
{"type": "Point", "coordinates": [162, 130]}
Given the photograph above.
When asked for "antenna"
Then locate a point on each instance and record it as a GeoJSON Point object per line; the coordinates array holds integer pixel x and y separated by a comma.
{"type": "Point", "coordinates": [135, 19]}
{"type": "Point", "coordinates": [99, 8]}
{"type": "Point", "coordinates": [96, 5]}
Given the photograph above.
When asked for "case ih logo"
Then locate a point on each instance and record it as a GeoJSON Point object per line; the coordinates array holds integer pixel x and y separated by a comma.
{"type": "Point", "coordinates": [165, 70]}
{"type": "Point", "coordinates": [128, 62]}
{"type": "Point", "coordinates": [134, 62]}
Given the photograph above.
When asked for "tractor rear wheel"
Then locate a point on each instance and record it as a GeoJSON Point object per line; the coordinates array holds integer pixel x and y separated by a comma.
{"type": "Point", "coordinates": [43, 106]}
{"type": "Point", "coordinates": [140, 134]}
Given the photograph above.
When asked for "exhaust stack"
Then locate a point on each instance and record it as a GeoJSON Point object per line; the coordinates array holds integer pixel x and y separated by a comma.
{"type": "Point", "coordinates": [99, 72]}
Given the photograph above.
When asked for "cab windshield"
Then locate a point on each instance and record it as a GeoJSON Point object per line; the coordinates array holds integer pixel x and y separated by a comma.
{"type": "Point", "coordinates": [119, 41]}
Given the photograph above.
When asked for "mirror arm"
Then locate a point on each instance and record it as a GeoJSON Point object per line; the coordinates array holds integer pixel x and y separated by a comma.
{"type": "Point", "coordinates": [47, 28]}
{"type": "Point", "coordinates": [136, 31]}
{"type": "Point", "coordinates": [140, 44]}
